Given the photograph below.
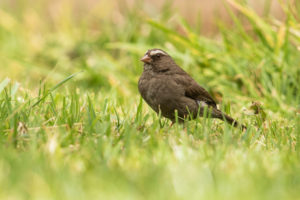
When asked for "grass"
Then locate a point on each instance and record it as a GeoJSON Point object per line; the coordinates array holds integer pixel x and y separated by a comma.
{"type": "Point", "coordinates": [73, 125]}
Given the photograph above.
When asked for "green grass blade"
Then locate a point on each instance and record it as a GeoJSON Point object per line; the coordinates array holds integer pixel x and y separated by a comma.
{"type": "Point", "coordinates": [3, 84]}
{"type": "Point", "coordinates": [55, 87]}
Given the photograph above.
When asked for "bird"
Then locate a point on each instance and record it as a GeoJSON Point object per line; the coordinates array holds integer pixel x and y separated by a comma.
{"type": "Point", "coordinates": [173, 93]}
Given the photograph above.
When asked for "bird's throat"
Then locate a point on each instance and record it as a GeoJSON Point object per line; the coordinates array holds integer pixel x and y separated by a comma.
{"type": "Point", "coordinates": [148, 67]}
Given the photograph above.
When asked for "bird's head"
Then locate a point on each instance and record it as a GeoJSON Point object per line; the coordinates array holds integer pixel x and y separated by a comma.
{"type": "Point", "coordinates": [157, 59]}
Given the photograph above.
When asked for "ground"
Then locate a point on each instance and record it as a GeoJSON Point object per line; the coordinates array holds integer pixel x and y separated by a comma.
{"type": "Point", "coordinates": [73, 125]}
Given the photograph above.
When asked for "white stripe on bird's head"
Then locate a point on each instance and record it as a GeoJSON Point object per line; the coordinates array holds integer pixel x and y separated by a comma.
{"type": "Point", "coordinates": [157, 51]}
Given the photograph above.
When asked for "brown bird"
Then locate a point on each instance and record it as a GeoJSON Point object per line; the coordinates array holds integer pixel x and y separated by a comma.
{"type": "Point", "coordinates": [168, 88]}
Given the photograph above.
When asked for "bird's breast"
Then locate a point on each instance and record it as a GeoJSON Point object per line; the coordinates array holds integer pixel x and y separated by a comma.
{"type": "Point", "coordinates": [148, 87]}
{"type": "Point", "coordinates": [158, 89]}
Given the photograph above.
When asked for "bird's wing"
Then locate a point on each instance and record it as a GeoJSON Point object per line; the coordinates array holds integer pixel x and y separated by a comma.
{"type": "Point", "coordinates": [194, 91]}
{"type": "Point", "coordinates": [198, 93]}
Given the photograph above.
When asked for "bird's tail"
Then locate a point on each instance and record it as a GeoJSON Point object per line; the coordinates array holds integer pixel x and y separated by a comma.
{"type": "Point", "coordinates": [220, 115]}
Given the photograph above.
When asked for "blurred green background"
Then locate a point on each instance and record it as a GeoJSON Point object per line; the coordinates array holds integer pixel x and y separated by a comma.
{"type": "Point", "coordinates": [73, 125]}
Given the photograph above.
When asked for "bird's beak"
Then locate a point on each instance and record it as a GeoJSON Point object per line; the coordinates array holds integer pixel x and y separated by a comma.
{"type": "Point", "coordinates": [146, 59]}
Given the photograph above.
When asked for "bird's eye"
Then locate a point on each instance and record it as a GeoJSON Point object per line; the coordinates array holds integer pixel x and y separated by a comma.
{"type": "Point", "coordinates": [157, 55]}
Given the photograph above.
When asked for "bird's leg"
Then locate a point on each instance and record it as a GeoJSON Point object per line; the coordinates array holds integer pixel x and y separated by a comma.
{"type": "Point", "coordinates": [172, 123]}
